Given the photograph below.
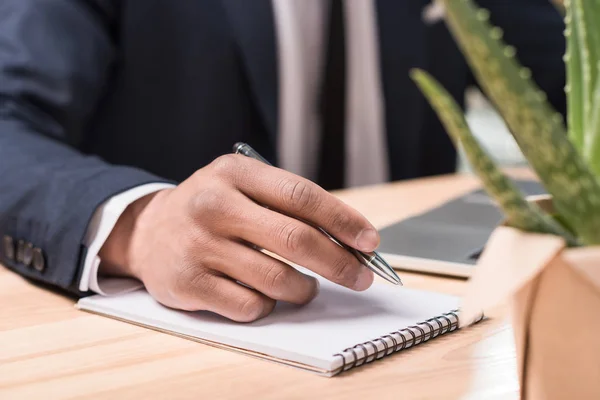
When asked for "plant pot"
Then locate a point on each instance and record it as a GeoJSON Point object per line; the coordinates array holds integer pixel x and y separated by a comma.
{"type": "Point", "coordinates": [554, 297]}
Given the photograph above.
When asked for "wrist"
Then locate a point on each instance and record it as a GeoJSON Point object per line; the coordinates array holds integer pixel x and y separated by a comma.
{"type": "Point", "coordinates": [116, 253]}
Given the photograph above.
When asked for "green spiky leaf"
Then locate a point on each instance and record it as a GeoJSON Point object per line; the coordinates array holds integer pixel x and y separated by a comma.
{"type": "Point", "coordinates": [584, 19]}
{"type": "Point", "coordinates": [519, 213]}
{"type": "Point", "coordinates": [538, 131]}
{"type": "Point", "coordinates": [582, 22]}
{"type": "Point", "coordinates": [591, 148]}
{"type": "Point", "coordinates": [564, 223]}
{"type": "Point", "coordinates": [574, 89]}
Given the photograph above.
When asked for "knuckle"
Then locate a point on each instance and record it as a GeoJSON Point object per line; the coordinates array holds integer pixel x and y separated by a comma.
{"type": "Point", "coordinates": [204, 283]}
{"type": "Point", "coordinates": [190, 282]}
{"type": "Point", "coordinates": [251, 308]}
{"type": "Point", "coordinates": [181, 283]}
{"type": "Point", "coordinates": [340, 221]}
{"type": "Point", "coordinates": [343, 272]}
{"type": "Point", "coordinates": [298, 195]}
{"type": "Point", "coordinates": [200, 247]}
{"type": "Point", "coordinates": [224, 165]}
{"type": "Point", "coordinates": [211, 199]}
{"type": "Point", "coordinates": [276, 279]}
{"type": "Point", "coordinates": [295, 238]}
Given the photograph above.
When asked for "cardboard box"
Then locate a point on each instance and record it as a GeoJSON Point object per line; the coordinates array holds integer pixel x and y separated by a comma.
{"type": "Point", "coordinates": [554, 296]}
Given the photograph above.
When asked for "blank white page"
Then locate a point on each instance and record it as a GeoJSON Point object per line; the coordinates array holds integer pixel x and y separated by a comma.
{"type": "Point", "coordinates": [338, 318]}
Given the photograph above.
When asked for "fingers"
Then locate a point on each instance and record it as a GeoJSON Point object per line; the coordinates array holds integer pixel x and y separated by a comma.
{"type": "Point", "coordinates": [303, 245]}
{"type": "Point", "coordinates": [269, 276]}
{"type": "Point", "coordinates": [227, 298]}
{"type": "Point", "coordinates": [297, 197]}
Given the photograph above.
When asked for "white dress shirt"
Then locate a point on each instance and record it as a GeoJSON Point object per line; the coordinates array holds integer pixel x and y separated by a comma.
{"type": "Point", "coordinates": [301, 28]}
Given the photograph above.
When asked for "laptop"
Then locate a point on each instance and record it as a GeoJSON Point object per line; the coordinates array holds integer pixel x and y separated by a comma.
{"type": "Point", "coordinates": [448, 239]}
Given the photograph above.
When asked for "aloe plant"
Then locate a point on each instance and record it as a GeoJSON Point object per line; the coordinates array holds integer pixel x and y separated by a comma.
{"type": "Point", "coordinates": [520, 213]}
{"type": "Point", "coordinates": [565, 158]}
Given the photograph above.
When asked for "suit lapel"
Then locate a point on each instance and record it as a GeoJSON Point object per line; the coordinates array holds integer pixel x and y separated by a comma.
{"type": "Point", "coordinates": [254, 27]}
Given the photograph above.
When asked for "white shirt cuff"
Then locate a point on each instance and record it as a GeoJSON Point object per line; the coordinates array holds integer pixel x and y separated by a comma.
{"type": "Point", "coordinates": [102, 223]}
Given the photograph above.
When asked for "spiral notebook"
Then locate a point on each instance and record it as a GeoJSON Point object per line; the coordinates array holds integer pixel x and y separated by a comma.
{"type": "Point", "coordinates": [338, 331]}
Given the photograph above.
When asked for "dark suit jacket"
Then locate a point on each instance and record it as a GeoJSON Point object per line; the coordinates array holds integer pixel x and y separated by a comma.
{"type": "Point", "coordinates": [98, 96]}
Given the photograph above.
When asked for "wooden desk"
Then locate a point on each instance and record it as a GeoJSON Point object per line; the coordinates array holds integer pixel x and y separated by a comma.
{"type": "Point", "coordinates": [48, 349]}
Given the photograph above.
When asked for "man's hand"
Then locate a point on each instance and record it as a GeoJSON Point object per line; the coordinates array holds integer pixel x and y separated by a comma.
{"type": "Point", "coordinates": [191, 246]}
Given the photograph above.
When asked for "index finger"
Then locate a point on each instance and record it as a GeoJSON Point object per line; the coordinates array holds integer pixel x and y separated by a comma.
{"type": "Point", "coordinates": [299, 198]}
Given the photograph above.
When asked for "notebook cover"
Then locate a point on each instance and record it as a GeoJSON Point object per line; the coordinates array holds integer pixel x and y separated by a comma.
{"type": "Point", "coordinates": [339, 330]}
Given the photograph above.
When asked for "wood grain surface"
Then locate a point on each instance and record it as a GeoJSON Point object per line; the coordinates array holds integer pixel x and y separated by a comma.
{"type": "Point", "coordinates": [48, 349]}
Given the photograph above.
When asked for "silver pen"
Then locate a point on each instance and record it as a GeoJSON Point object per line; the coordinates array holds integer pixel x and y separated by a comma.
{"type": "Point", "coordinates": [373, 261]}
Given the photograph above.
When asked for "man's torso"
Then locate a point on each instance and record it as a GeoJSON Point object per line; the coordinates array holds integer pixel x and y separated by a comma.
{"type": "Point", "coordinates": [181, 91]}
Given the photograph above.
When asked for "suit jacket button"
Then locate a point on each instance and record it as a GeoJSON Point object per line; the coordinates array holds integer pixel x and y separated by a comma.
{"type": "Point", "coordinates": [28, 254]}
{"type": "Point", "coordinates": [20, 251]}
{"type": "Point", "coordinates": [9, 247]}
{"type": "Point", "coordinates": [38, 261]}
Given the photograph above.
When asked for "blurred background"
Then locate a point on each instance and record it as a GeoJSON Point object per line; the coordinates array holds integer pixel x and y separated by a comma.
{"type": "Point", "coordinates": [490, 129]}
{"type": "Point", "coordinates": [492, 133]}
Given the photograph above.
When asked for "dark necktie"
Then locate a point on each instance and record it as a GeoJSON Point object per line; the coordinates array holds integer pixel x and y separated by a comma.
{"type": "Point", "coordinates": [333, 104]}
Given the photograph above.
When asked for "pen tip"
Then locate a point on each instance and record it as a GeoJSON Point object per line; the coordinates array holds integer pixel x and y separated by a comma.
{"type": "Point", "coordinates": [387, 270]}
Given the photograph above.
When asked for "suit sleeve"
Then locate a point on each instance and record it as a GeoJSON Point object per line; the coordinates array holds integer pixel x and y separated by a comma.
{"type": "Point", "coordinates": [55, 57]}
{"type": "Point", "coordinates": [103, 221]}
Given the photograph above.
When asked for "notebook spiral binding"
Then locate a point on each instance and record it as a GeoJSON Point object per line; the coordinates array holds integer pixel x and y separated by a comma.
{"type": "Point", "coordinates": [393, 342]}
